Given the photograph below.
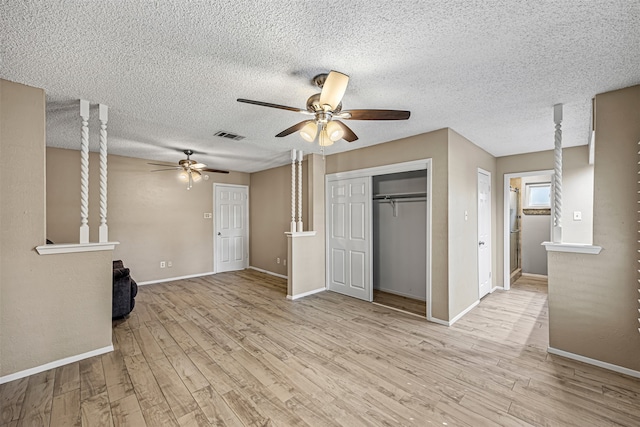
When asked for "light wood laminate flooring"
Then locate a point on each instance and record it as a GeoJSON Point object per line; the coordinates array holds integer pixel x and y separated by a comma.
{"type": "Point", "coordinates": [229, 349]}
{"type": "Point", "coordinates": [401, 303]}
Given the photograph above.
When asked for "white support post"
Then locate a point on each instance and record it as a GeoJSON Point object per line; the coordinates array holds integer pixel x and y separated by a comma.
{"type": "Point", "coordinates": [557, 170]}
{"type": "Point", "coordinates": [293, 190]}
{"type": "Point", "coordinates": [300, 226]}
{"type": "Point", "coordinates": [104, 230]}
{"type": "Point", "coordinates": [84, 172]}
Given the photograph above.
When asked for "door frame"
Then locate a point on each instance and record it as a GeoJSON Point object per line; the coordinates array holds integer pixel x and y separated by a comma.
{"type": "Point", "coordinates": [506, 275]}
{"type": "Point", "coordinates": [215, 223]}
{"type": "Point", "coordinates": [383, 170]}
{"type": "Point", "coordinates": [491, 287]}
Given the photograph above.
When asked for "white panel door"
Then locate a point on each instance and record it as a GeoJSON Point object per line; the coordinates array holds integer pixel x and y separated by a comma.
{"type": "Point", "coordinates": [231, 231]}
{"type": "Point", "coordinates": [349, 237]}
{"type": "Point", "coordinates": [484, 233]}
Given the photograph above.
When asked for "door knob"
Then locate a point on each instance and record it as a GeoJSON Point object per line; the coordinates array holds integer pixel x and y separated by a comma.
{"type": "Point", "coordinates": [219, 233]}
{"type": "Point", "coordinates": [480, 243]}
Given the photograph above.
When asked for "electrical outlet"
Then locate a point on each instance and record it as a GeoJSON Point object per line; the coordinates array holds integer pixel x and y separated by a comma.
{"type": "Point", "coordinates": [162, 264]}
{"type": "Point", "coordinates": [169, 264]}
{"type": "Point", "coordinates": [278, 260]}
{"type": "Point", "coordinates": [577, 216]}
{"type": "Point", "coordinates": [207, 215]}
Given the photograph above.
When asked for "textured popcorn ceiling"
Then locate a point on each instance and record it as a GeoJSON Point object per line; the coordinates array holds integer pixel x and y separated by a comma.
{"type": "Point", "coordinates": [171, 71]}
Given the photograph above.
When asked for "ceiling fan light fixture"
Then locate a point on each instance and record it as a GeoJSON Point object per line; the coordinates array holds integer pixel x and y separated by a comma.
{"type": "Point", "coordinates": [196, 175]}
{"type": "Point", "coordinates": [309, 132]}
{"type": "Point", "coordinates": [183, 175]}
{"type": "Point", "coordinates": [335, 131]}
{"type": "Point", "coordinates": [323, 139]}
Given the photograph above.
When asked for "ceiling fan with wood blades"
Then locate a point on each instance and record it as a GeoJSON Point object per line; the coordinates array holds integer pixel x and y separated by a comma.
{"type": "Point", "coordinates": [326, 109]}
{"type": "Point", "coordinates": [190, 170]}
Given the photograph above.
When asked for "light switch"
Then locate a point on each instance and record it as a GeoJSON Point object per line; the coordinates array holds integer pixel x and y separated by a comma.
{"type": "Point", "coordinates": [577, 216]}
{"type": "Point", "coordinates": [466, 215]}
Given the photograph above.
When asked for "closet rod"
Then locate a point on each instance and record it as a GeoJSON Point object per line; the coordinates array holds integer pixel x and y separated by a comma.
{"type": "Point", "coordinates": [398, 196]}
{"type": "Point", "coordinates": [401, 200]}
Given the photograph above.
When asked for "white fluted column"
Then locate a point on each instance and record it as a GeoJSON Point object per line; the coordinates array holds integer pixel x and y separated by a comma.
{"type": "Point", "coordinates": [300, 226]}
{"type": "Point", "coordinates": [293, 190]}
{"type": "Point", "coordinates": [84, 172]}
{"type": "Point", "coordinates": [557, 171]}
{"type": "Point", "coordinates": [104, 117]}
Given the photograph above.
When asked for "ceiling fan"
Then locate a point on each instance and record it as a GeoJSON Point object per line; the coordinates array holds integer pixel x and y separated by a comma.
{"type": "Point", "coordinates": [326, 108]}
{"type": "Point", "coordinates": [190, 170]}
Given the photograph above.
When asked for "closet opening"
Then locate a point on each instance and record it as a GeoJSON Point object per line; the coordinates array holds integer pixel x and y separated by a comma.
{"type": "Point", "coordinates": [399, 247]}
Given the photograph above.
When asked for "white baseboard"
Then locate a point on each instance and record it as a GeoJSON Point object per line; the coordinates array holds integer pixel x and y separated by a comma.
{"type": "Point", "coordinates": [594, 362]}
{"type": "Point", "coordinates": [438, 321]}
{"type": "Point", "coordinates": [55, 364]}
{"type": "Point", "coordinates": [171, 279]}
{"type": "Point", "coordinates": [402, 294]}
{"type": "Point", "coordinates": [306, 294]}
{"type": "Point", "coordinates": [268, 272]}
{"type": "Point", "coordinates": [539, 276]}
{"type": "Point", "coordinates": [465, 311]}
{"type": "Point", "coordinates": [495, 288]}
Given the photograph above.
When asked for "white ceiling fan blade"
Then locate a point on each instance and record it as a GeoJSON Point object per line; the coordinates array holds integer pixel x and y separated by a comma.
{"type": "Point", "coordinates": [198, 166]}
{"type": "Point", "coordinates": [333, 89]}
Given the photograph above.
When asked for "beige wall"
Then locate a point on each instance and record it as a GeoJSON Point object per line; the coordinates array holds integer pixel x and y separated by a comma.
{"type": "Point", "coordinates": [431, 145]}
{"type": "Point", "coordinates": [153, 215]}
{"type": "Point", "coordinates": [464, 160]}
{"type": "Point", "coordinates": [270, 215]}
{"type": "Point", "coordinates": [593, 299]}
{"type": "Point", "coordinates": [577, 195]}
{"type": "Point", "coordinates": [55, 306]}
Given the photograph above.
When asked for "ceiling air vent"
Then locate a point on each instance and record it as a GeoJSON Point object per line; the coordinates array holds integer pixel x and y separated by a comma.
{"type": "Point", "coordinates": [229, 135]}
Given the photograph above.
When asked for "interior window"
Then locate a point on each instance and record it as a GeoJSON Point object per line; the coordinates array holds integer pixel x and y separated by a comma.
{"type": "Point", "coordinates": [538, 195]}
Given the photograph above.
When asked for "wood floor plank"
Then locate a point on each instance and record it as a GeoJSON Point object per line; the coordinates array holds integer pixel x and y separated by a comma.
{"type": "Point", "coordinates": [38, 401]}
{"type": "Point", "coordinates": [92, 380]}
{"type": "Point", "coordinates": [187, 371]}
{"type": "Point", "coordinates": [178, 396]}
{"type": "Point", "coordinates": [96, 411]}
{"type": "Point", "coordinates": [144, 382]}
{"type": "Point", "coordinates": [116, 376]}
{"type": "Point", "coordinates": [127, 412]}
{"type": "Point", "coordinates": [12, 396]}
{"type": "Point", "coordinates": [215, 408]}
{"type": "Point", "coordinates": [67, 378]}
{"type": "Point", "coordinates": [66, 409]}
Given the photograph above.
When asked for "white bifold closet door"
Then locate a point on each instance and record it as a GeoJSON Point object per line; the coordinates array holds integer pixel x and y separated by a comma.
{"type": "Point", "coordinates": [349, 243]}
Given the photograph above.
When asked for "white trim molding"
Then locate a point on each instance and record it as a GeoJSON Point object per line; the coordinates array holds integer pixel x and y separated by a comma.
{"type": "Point", "coordinates": [282, 276]}
{"type": "Point", "coordinates": [305, 294]}
{"type": "Point", "coordinates": [68, 248]}
{"type": "Point", "coordinates": [465, 311]}
{"type": "Point", "coordinates": [301, 233]}
{"type": "Point", "coordinates": [594, 362]}
{"type": "Point", "coordinates": [55, 364]}
{"type": "Point", "coordinates": [577, 248]}
{"type": "Point", "coordinates": [171, 279]}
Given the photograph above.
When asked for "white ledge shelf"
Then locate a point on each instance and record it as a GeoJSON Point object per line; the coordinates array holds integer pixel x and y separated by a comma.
{"type": "Point", "coordinates": [300, 233]}
{"type": "Point", "coordinates": [577, 248]}
{"type": "Point", "coordinates": [68, 248]}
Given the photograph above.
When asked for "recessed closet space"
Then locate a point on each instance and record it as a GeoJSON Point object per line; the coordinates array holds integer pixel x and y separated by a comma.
{"type": "Point", "coordinates": [399, 225]}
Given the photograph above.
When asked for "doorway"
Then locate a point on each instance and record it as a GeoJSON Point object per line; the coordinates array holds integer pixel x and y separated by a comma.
{"type": "Point", "coordinates": [350, 248]}
{"type": "Point", "coordinates": [527, 223]}
{"type": "Point", "coordinates": [231, 227]}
